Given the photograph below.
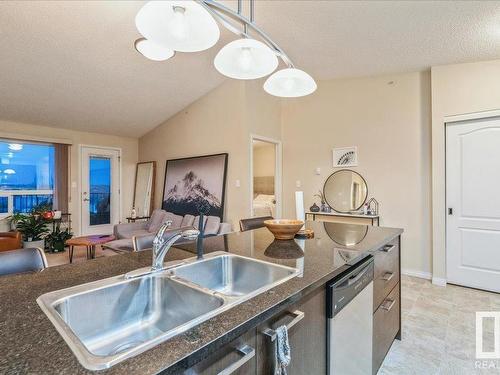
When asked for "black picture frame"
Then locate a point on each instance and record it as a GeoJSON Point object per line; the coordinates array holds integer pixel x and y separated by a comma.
{"type": "Point", "coordinates": [183, 208]}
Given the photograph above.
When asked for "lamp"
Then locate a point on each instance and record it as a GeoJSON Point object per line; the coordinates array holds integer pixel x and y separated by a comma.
{"type": "Point", "coordinates": [290, 83]}
{"type": "Point", "coordinates": [190, 26]}
{"type": "Point", "coordinates": [245, 59]}
{"type": "Point", "coordinates": [152, 50]}
{"type": "Point", "coordinates": [183, 26]}
{"type": "Point", "coordinates": [15, 146]}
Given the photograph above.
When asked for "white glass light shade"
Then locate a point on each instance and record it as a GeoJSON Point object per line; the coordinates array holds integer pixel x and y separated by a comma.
{"type": "Point", "coordinates": [183, 26]}
{"type": "Point", "coordinates": [290, 83]}
{"type": "Point", "coordinates": [152, 50]}
{"type": "Point", "coordinates": [15, 146]}
{"type": "Point", "coordinates": [246, 59]}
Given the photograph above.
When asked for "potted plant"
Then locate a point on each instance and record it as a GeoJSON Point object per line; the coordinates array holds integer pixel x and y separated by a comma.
{"type": "Point", "coordinates": [33, 228]}
{"type": "Point", "coordinates": [57, 239]}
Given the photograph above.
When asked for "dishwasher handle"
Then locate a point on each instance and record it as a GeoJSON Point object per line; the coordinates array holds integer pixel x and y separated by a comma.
{"type": "Point", "coordinates": [353, 277]}
{"type": "Point", "coordinates": [340, 292]}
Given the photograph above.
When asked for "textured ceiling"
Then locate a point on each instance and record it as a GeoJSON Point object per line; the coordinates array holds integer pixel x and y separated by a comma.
{"type": "Point", "coordinates": [72, 64]}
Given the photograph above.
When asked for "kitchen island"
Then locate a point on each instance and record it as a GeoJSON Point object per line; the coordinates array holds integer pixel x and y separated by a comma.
{"type": "Point", "coordinates": [30, 344]}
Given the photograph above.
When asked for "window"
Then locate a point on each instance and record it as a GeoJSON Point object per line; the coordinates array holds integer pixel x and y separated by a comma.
{"type": "Point", "coordinates": [4, 205]}
{"type": "Point", "coordinates": [26, 176]}
{"type": "Point", "coordinates": [100, 190]}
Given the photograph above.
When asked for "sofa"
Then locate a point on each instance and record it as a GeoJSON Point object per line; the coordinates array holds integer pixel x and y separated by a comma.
{"type": "Point", "coordinates": [126, 232]}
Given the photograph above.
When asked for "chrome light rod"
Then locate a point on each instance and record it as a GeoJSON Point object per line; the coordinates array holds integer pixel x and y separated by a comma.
{"type": "Point", "coordinates": [221, 13]}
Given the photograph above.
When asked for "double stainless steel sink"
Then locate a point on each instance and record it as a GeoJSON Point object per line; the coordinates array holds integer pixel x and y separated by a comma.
{"type": "Point", "coordinates": [107, 321]}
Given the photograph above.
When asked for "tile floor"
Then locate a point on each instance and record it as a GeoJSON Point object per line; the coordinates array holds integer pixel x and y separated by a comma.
{"type": "Point", "coordinates": [438, 326]}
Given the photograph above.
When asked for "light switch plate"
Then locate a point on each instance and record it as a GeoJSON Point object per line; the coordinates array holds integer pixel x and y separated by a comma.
{"type": "Point", "coordinates": [298, 183]}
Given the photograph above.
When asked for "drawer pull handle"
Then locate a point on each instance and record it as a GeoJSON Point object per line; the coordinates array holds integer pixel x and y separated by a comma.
{"type": "Point", "coordinates": [388, 276]}
{"type": "Point", "coordinates": [388, 304]}
{"type": "Point", "coordinates": [246, 352]}
{"type": "Point", "coordinates": [387, 248]}
{"type": "Point", "coordinates": [271, 333]}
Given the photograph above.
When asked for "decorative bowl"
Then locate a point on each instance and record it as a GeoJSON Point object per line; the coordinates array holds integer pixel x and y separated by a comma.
{"type": "Point", "coordinates": [284, 229]}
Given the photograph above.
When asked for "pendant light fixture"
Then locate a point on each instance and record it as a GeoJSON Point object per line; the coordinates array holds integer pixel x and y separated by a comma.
{"type": "Point", "coordinates": [190, 26]}
{"type": "Point", "coordinates": [246, 59]}
{"type": "Point", "coordinates": [152, 50]}
{"type": "Point", "coordinates": [183, 26]}
{"type": "Point", "coordinates": [290, 83]}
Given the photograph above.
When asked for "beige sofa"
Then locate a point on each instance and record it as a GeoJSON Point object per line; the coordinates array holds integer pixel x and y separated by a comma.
{"type": "Point", "coordinates": [124, 233]}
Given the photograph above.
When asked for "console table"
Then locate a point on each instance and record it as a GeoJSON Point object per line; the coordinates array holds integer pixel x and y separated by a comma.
{"type": "Point", "coordinates": [338, 217]}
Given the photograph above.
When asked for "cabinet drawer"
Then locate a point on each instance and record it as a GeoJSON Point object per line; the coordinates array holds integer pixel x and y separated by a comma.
{"type": "Point", "coordinates": [236, 358]}
{"type": "Point", "coordinates": [386, 272]}
{"type": "Point", "coordinates": [385, 327]}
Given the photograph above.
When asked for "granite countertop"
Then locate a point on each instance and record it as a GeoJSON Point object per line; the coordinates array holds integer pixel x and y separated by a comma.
{"type": "Point", "coordinates": [29, 343]}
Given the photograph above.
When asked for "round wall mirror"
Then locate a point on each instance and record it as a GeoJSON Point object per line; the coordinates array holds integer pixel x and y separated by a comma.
{"type": "Point", "coordinates": [345, 191]}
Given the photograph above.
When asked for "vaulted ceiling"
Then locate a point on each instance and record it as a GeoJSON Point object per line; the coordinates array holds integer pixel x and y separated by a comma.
{"type": "Point", "coordinates": [72, 64]}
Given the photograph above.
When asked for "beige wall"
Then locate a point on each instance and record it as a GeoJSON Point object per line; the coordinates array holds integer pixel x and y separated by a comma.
{"type": "Point", "coordinates": [389, 119]}
{"type": "Point", "coordinates": [221, 121]}
{"type": "Point", "coordinates": [129, 147]}
{"type": "Point", "coordinates": [456, 90]}
{"type": "Point", "coordinates": [263, 159]}
{"type": "Point", "coordinates": [390, 124]}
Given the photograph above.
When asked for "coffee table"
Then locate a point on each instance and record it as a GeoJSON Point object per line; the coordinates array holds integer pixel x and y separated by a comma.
{"type": "Point", "coordinates": [90, 242]}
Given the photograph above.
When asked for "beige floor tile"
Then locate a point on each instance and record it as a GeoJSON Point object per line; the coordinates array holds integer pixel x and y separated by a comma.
{"type": "Point", "coordinates": [438, 328]}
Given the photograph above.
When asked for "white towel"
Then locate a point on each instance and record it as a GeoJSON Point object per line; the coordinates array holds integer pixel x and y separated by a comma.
{"type": "Point", "coordinates": [282, 356]}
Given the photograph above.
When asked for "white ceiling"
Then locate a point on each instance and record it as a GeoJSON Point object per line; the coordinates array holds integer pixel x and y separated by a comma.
{"type": "Point", "coordinates": [71, 64]}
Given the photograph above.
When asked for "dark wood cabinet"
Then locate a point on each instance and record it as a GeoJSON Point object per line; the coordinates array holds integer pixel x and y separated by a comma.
{"type": "Point", "coordinates": [307, 337]}
{"type": "Point", "coordinates": [385, 327]}
{"type": "Point", "coordinates": [254, 352]}
{"type": "Point", "coordinates": [236, 358]}
{"type": "Point", "coordinates": [386, 300]}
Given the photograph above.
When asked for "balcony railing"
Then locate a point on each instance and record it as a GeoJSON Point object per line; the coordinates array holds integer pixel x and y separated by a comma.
{"type": "Point", "coordinates": [27, 202]}
{"type": "Point", "coordinates": [99, 207]}
{"type": "Point", "coordinates": [23, 201]}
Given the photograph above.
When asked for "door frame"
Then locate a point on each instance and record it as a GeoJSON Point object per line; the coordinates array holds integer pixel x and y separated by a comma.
{"type": "Point", "coordinates": [278, 173]}
{"type": "Point", "coordinates": [80, 176]}
{"type": "Point", "coordinates": [450, 121]}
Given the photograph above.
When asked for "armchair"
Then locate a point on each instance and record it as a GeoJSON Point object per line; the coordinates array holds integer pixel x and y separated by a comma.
{"type": "Point", "coordinates": [10, 240]}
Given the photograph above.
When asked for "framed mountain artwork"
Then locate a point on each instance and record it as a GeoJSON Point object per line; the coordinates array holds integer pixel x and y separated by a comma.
{"type": "Point", "coordinates": [191, 182]}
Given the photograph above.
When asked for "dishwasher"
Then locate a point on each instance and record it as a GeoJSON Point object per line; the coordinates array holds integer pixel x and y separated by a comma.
{"type": "Point", "coordinates": [350, 321]}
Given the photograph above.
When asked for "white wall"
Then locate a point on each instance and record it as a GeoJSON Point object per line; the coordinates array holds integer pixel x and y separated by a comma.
{"type": "Point", "coordinates": [390, 124]}
{"type": "Point", "coordinates": [221, 121]}
{"type": "Point", "coordinates": [129, 147]}
{"type": "Point", "coordinates": [389, 118]}
{"type": "Point", "coordinates": [456, 89]}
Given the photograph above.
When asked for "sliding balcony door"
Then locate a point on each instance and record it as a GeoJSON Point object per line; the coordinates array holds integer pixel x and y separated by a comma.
{"type": "Point", "coordinates": [100, 190]}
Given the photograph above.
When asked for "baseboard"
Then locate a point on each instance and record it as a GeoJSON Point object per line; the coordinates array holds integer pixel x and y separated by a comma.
{"type": "Point", "coordinates": [415, 273]}
{"type": "Point", "coordinates": [439, 281]}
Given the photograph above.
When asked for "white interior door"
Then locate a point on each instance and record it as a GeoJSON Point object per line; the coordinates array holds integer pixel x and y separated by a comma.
{"type": "Point", "coordinates": [100, 190]}
{"type": "Point", "coordinates": [473, 201]}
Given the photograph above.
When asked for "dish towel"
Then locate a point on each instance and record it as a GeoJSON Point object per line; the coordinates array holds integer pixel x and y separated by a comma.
{"type": "Point", "coordinates": [282, 356]}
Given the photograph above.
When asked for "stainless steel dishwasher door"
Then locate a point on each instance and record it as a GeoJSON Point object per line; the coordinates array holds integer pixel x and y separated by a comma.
{"type": "Point", "coordinates": [350, 329]}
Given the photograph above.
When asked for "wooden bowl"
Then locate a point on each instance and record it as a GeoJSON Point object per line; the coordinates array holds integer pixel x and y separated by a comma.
{"type": "Point", "coordinates": [284, 229]}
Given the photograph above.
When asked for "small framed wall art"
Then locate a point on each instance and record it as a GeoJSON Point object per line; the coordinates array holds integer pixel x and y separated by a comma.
{"type": "Point", "coordinates": [345, 157]}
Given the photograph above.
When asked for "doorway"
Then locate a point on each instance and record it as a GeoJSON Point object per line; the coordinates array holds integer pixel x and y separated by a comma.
{"type": "Point", "coordinates": [100, 189]}
{"type": "Point", "coordinates": [473, 203]}
{"type": "Point", "coordinates": [265, 177]}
